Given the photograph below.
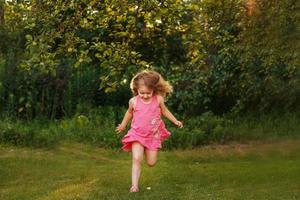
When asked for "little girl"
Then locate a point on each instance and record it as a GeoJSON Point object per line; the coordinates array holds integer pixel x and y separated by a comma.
{"type": "Point", "coordinates": [147, 130]}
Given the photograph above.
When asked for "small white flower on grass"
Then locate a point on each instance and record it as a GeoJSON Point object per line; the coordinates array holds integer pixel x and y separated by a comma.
{"type": "Point", "coordinates": [148, 188]}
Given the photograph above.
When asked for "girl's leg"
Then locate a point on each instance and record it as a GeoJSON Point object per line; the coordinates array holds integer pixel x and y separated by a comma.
{"type": "Point", "coordinates": [137, 157]}
{"type": "Point", "coordinates": [151, 157]}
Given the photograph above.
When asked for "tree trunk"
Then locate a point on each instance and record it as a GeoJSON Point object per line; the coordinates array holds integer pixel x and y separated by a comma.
{"type": "Point", "coordinates": [2, 2]}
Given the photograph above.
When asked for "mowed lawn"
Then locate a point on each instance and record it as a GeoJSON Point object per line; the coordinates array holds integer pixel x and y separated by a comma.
{"type": "Point", "coordinates": [258, 170]}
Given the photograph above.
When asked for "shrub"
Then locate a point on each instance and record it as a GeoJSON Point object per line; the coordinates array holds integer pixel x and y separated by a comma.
{"type": "Point", "coordinates": [24, 134]}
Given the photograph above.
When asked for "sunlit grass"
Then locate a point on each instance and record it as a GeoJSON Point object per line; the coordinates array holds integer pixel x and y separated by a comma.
{"type": "Point", "coordinates": [257, 170]}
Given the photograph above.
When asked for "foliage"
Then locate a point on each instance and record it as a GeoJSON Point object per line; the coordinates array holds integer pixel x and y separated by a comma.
{"type": "Point", "coordinates": [97, 127]}
{"type": "Point", "coordinates": [34, 135]}
{"type": "Point", "coordinates": [220, 56]}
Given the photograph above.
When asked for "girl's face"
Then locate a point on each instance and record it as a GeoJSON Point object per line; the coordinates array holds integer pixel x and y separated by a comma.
{"type": "Point", "coordinates": [145, 93]}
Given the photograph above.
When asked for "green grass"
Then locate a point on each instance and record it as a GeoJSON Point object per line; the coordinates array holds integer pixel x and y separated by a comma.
{"type": "Point", "coordinates": [257, 170]}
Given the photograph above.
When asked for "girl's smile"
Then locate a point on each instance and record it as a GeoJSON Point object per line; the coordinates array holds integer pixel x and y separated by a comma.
{"type": "Point", "coordinates": [145, 93]}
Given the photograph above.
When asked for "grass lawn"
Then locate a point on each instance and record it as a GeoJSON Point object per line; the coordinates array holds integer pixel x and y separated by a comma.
{"type": "Point", "coordinates": [258, 170]}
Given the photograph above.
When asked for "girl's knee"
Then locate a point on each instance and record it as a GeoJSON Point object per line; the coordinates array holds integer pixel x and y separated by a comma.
{"type": "Point", "coordinates": [137, 159]}
{"type": "Point", "coordinates": [151, 163]}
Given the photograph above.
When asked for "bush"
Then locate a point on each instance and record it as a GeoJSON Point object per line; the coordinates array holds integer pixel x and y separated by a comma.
{"type": "Point", "coordinates": [24, 134]}
{"type": "Point", "coordinates": [204, 129]}
{"type": "Point", "coordinates": [98, 128]}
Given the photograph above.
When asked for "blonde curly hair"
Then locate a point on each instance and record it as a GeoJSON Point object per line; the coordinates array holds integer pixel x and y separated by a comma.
{"type": "Point", "coordinates": [151, 79]}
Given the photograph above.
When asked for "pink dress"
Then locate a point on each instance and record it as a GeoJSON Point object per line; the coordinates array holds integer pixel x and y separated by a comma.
{"type": "Point", "coordinates": [147, 127]}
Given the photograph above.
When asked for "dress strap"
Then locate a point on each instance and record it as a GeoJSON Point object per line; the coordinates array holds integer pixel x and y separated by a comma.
{"type": "Point", "coordinates": [137, 99]}
{"type": "Point", "coordinates": [134, 102]}
{"type": "Point", "coordinates": [156, 99]}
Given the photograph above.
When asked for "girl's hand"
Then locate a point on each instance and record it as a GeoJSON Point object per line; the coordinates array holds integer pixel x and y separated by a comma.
{"type": "Point", "coordinates": [120, 128]}
{"type": "Point", "coordinates": [179, 124]}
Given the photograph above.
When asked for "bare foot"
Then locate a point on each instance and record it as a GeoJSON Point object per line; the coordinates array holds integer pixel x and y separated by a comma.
{"type": "Point", "coordinates": [134, 189]}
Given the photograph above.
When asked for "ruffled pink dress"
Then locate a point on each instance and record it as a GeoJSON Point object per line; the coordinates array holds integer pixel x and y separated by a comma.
{"type": "Point", "coordinates": [147, 127]}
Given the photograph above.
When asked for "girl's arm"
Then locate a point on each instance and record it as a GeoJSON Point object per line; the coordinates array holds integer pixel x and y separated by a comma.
{"type": "Point", "coordinates": [121, 127]}
{"type": "Point", "coordinates": [165, 112]}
